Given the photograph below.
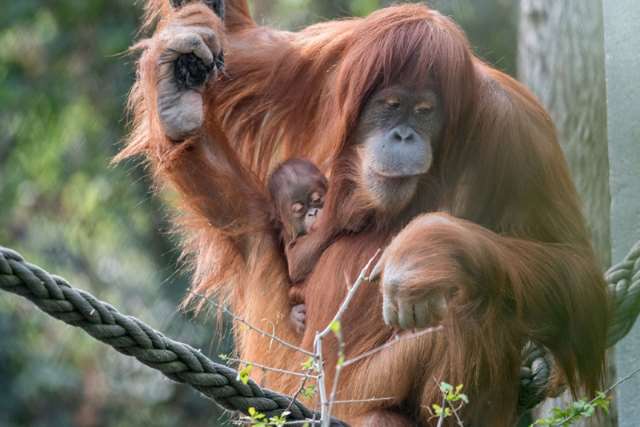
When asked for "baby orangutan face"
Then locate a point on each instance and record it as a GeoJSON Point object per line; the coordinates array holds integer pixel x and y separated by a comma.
{"type": "Point", "coordinates": [304, 210]}
{"type": "Point", "coordinates": [297, 189]}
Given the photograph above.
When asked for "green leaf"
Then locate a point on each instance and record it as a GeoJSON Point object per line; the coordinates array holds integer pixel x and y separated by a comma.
{"type": "Point", "coordinates": [255, 414]}
{"type": "Point", "coordinates": [437, 409]}
{"type": "Point", "coordinates": [446, 388]}
{"type": "Point", "coordinates": [309, 391]}
{"type": "Point", "coordinates": [245, 373]}
{"type": "Point", "coordinates": [308, 364]}
{"type": "Point", "coordinates": [279, 420]}
{"type": "Point", "coordinates": [335, 327]}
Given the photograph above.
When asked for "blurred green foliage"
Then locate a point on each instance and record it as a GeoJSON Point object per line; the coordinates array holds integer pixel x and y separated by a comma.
{"type": "Point", "coordinates": [64, 77]}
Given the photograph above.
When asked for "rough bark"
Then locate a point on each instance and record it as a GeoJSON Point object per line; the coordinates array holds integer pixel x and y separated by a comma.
{"type": "Point", "coordinates": [561, 58]}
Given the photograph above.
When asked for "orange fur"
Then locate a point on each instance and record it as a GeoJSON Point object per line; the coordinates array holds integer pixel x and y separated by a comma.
{"type": "Point", "coordinates": [514, 251]}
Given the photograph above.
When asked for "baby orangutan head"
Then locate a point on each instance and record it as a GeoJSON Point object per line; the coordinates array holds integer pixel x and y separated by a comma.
{"type": "Point", "coordinates": [297, 189]}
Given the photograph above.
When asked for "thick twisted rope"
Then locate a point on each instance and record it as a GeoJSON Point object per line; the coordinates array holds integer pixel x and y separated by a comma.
{"type": "Point", "coordinates": [184, 364]}
{"type": "Point", "coordinates": [624, 291]}
{"type": "Point", "coordinates": [130, 336]}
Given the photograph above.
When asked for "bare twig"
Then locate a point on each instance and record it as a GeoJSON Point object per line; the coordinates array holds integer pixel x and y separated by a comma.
{"type": "Point", "coordinates": [442, 414]}
{"type": "Point", "coordinates": [249, 422]}
{"type": "Point", "coordinates": [325, 410]}
{"type": "Point", "coordinates": [357, 401]}
{"type": "Point", "coordinates": [303, 383]}
{"type": "Point", "coordinates": [268, 368]}
{"type": "Point", "coordinates": [326, 403]}
{"type": "Point", "coordinates": [606, 392]}
{"type": "Point", "coordinates": [362, 277]}
{"type": "Point", "coordinates": [396, 340]}
{"type": "Point", "coordinates": [455, 413]}
{"type": "Point", "coordinates": [252, 327]}
{"type": "Point", "coordinates": [622, 380]}
{"type": "Point", "coordinates": [339, 366]}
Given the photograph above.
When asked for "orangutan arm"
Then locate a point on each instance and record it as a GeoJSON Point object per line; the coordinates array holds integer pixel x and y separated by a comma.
{"type": "Point", "coordinates": [216, 187]}
{"type": "Point", "coordinates": [180, 135]}
{"type": "Point", "coordinates": [303, 253]}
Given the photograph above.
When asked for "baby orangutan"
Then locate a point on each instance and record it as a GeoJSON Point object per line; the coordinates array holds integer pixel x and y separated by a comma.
{"type": "Point", "coordinates": [297, 189]}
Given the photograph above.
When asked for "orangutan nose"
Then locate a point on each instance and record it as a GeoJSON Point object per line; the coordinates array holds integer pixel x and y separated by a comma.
{"type": "Point", "coordinates": [403, 134]}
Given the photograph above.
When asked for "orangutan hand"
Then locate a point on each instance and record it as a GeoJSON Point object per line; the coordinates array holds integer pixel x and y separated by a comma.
{"type": "Point", "coordinates": [190, 41]}
{"type": "Point", "coordinates": [423, 269]}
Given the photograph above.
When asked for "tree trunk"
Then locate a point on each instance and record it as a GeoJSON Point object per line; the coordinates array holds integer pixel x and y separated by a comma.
{"type": "Point", "coordinates": [561, 58]}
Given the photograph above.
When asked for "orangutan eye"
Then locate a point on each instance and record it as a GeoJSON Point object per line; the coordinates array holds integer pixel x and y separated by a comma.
{"type": "Point", "coordinates": [316, 197]}
{"type": "Point", "coordinates": [297, 208]}
{"type": "Point", "coordinates": [392, 103]}
{"type": "Point", "coordinates": [423, 108]}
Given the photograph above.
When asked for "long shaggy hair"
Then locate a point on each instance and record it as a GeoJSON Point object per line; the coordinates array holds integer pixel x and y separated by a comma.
{"type": "Point", "coordinates": [520, 246]}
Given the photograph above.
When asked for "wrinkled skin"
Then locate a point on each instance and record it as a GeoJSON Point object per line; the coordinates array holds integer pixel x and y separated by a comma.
{"type": "Point", "coordinates": [397, 135]}
{"type": "Point", "coordinates": [181, 109]}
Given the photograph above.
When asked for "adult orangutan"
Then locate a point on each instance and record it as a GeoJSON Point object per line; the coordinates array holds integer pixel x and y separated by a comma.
{"type": "Point", "coordinates": [450, 164]}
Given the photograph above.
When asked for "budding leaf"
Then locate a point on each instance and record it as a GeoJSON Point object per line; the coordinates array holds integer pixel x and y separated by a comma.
{"type": "Point", "coordinates": [308, 364]}
{"type": "Point", "coordinates": [244, 373]}
{"type": "Point", "coordinates": [309, 391]}
{"type": "Point", "coordinates": [335, 327]}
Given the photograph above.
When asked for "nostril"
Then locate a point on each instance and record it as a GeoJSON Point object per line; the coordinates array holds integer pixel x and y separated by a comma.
{"type": "Point", "coordinates": [396, 136]}
{"type": "Point", "coordinates": [403, 134]}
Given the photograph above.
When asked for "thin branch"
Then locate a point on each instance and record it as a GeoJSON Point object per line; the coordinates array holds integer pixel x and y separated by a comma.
{"type": "Point", "coordinates": [455, 412]}
{"type": "Point", "coordinates": [622, 380]}
{"type": "Point", "coordinates": [607, 391]}
{"type": "Point", "coordinates": [326, 404]}
{"type": "Point", "coordinates": [248, 422]}
{"type": "Point", "coordinates": [324, 418]}
{"type": "Point", "coordinates": [362, 277]}
{"type": "Point", "coordinates": [250, 326]}
{"type": "Point", "coordinates": [336, 376]}
{"type": "Point", "coordinates": [268, 368]}
{"type": "Point", "coordinates": [302, 386]}
{"type": "Point", "coordinates": [391, 343]}
{"type": "Point", "coordinates": [442, 414]}
{"type": "Point", "coordinates": [356, 401]}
